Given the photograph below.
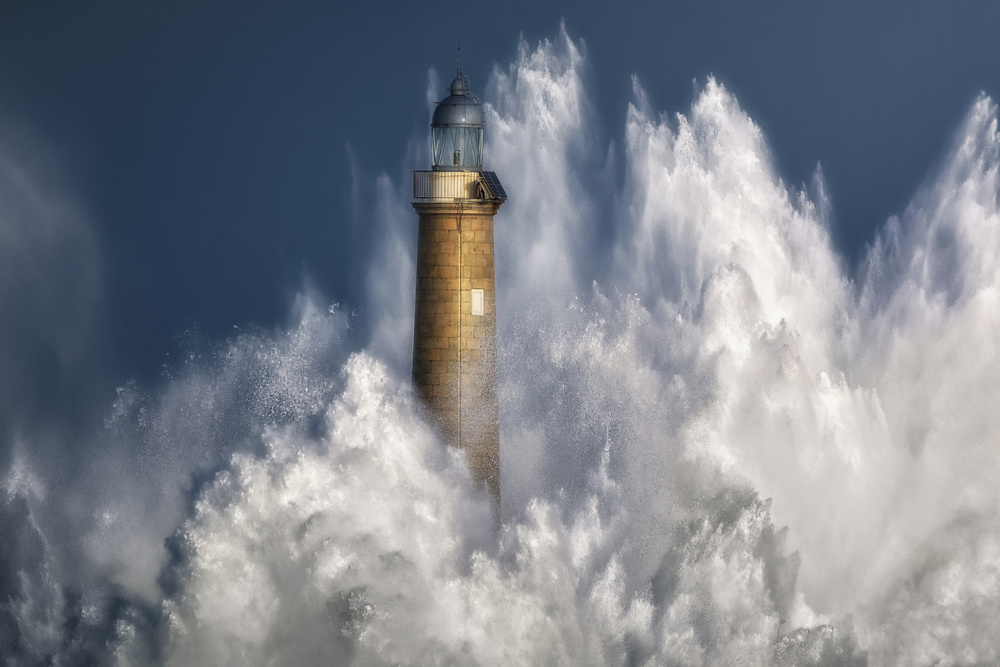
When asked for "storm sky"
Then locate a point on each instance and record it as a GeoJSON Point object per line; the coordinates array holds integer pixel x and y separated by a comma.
{"type": "Point", "coordinates": [223, 153]}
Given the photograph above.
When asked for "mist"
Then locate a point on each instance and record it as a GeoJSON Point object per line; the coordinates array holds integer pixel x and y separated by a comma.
{"type": "Point", "coordinates": [718, 443]}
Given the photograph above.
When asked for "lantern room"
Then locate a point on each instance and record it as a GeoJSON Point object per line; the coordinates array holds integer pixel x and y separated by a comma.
{"type": "Point", "coordinates": [457, 129]}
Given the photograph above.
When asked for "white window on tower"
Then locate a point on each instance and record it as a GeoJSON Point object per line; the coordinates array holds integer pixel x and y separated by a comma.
{"type": "Point", "coordinates": [478, 302]}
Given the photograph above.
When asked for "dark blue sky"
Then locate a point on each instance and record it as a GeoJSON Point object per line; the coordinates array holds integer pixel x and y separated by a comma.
{"type": "Point", "coordinates": [207, 142]}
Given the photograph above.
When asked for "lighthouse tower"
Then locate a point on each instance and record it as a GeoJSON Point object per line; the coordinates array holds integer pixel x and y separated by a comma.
{"type": "Point", "coordinates": [454, 331]}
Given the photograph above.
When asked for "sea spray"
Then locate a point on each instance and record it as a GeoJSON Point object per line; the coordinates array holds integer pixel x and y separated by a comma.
{"type": "Point", "coordinates": [716, 447]}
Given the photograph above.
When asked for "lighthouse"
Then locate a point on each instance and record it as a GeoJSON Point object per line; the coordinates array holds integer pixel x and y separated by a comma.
{"type": "Point", "coordinates": [454, 330]}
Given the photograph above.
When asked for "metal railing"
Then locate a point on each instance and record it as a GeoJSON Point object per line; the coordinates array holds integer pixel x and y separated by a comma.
{"type": "Point", "coordinates": [446, 185]}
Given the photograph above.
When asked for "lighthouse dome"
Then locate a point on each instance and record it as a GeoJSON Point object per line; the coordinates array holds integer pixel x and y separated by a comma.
{"type": "Point", "coordinates": [457, 128]}
{"type": "Point", "coordinates": [459, 108]}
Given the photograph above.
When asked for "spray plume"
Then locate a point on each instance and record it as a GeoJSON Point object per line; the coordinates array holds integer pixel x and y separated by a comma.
{"type": "Point", "coordinates": [716, 446]}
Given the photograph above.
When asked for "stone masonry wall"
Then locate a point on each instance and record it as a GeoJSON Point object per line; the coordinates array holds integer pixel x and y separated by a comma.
{"type": "Point", "coordinates": [454, 351]}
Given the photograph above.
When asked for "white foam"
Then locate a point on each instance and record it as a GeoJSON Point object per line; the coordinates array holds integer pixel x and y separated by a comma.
{"type": "Point", "coordinates": [716, 447]}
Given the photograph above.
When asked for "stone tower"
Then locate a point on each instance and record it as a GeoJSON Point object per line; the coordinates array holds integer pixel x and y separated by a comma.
{"type": "Point", "coordinates": [454, 331]}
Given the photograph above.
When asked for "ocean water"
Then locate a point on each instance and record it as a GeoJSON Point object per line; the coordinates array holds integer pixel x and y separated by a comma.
{"type": "Point", "coordinates": [718, 446]}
